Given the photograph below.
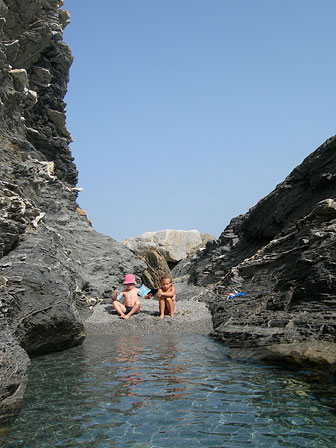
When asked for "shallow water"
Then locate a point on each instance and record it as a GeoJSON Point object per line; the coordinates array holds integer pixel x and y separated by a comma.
{"type": "Point", "coordinates": [166, 391]}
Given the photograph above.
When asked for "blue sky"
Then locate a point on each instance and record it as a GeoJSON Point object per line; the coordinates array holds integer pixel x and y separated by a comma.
{"type": "Point", "coordinates": [185, 113]}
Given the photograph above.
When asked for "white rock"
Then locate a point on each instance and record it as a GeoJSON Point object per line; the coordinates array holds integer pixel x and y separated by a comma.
{"type": "Point", "coordinates": [37, 220]}
{"type": "Point", "coordinates": [174, 245]}
{"type": "Point", "coordinates": [31, 98]}
{"type": "Point", "coordinates": [46, 169]}
{"type": "Point", "coordinates": [20, 78]}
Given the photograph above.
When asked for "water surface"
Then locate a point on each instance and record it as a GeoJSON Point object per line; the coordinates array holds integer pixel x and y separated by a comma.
{"type": "Point", "coordinates": [167, 391]}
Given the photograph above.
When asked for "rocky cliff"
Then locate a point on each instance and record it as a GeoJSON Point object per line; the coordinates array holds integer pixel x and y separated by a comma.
{"type": "Point", "coordinates": [282, 254]}
{"type": "Point", "coordinates": [52, 262]}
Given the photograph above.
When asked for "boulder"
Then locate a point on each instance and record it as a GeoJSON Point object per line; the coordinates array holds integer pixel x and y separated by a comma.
{"type": "Point", "coordinates": [157, 267]}
{"type": "Point", "coordinates": [14, 365]}
{"type": "Point", "coordinates": [174, 245]}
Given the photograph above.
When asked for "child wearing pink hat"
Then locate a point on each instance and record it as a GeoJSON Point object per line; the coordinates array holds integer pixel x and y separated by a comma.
{"type": "Point", "coordinates": [130, 294]}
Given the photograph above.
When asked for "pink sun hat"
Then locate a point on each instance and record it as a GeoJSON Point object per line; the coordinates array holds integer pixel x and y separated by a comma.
{"type": "Point", "coordinates": [129, 279]}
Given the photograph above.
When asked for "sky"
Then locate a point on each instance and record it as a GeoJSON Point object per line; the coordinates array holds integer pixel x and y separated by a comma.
{"type": "Point", "coordinates": [185, 113]}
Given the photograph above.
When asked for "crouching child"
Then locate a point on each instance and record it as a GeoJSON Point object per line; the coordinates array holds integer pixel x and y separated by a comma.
{"type": "Point", "coordinates": [167, 297]}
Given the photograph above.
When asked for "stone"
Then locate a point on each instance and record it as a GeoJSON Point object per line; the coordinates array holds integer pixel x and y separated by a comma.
{"type": "Point", "coordinates": [41, 76]}
{"type": "Point", "coordinates": [157, 267]}
{"type": "Point", "coordinates": [281, 253]}
{"type": "Point", "coordinates": [207, 238]}
{"type": "Point", "coordinates": [37, 220]}
{"type": "Point", "coordinates": [58, 118]}
{"type": "Point", "coordinates": [31, 98]}
{"type": "Point", "coordinates": [20, 79]}
{"type": "Point", "coordinates": [174, 245]}
{"type": "Point", "coordinates": [14, 365]}
{"type": "Point", "coordinates": [11, 49]}
{"type": "Point", "coordinates": [3, 280]}
{"type": "Point", "coordinates": [2, 23]}
{"type": "Point", "coordinates": [46, 169]}
{"type": "Point", "coordinates": [51, 258]}
{"type": "Point", "coordinates": [64, 17]}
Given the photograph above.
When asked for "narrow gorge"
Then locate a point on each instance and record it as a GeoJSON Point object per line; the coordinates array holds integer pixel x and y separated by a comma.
{"type": "Point", "coordinates": [281, 253]}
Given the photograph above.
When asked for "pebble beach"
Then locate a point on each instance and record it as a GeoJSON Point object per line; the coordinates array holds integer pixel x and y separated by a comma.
{"type": "Point", "coordinates": [190, 317]}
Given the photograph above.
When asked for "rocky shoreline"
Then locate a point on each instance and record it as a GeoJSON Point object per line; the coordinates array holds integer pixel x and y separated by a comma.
{"type": "Point", "coordinates": [281, 254]}
{"type": "Point", "coordinates": [54, 266]}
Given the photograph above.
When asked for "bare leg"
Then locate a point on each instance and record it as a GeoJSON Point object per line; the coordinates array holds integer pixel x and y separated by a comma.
{"type": "Point", "coordinates": [170, 306]}
{"type": "Point", "coordinates": [119, 307]}
{"type": "Point", "coordinates": [174, 303]}
{"type": "Point", "coordinates": [135, 309]}
{"type": "Point", "coordinates": [162, 307]}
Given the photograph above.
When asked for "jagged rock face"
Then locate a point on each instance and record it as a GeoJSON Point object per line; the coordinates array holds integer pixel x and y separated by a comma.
{"type": "Point", "coordinates": [35, 70]}
{"type": "Point", "coordinates": [174, 245]}
{"type": "Point", "coordinates": [282, 255]}
{"type": "Point", "coordinates": [52, 262]}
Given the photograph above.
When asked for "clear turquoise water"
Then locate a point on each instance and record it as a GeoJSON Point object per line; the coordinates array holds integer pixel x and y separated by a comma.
{"type": "Point", "coordinates": [166, 391]}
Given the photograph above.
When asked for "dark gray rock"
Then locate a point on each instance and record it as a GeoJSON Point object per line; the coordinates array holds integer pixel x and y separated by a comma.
{"type": "Point", "coordinates": [14, 367]}
{"type": "Point", "coordinates": [282, 255]}
{"type": "Point", "coordinates": [53, 265]}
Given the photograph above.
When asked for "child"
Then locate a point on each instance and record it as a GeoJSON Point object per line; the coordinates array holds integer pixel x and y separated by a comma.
{"type": "Point", "coordinates": [167, 297]}
{"type": "Point", "coordinates": [130, 294]}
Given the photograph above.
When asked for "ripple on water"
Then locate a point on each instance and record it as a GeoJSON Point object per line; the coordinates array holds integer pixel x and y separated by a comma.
{"type": "Point", "coordinates": [170, 392]}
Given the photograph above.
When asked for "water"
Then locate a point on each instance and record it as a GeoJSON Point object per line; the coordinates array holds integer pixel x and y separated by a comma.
{"type": "Point", "coordinates": [167, 391]}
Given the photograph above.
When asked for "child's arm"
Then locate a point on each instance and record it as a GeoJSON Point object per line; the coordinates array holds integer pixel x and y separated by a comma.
{"type": "Point", "coordinates": [167, 295]}
{"type": "Point", "coordinates": [151, 294]}
{"type": "Point", "coordinates": [118, 295]}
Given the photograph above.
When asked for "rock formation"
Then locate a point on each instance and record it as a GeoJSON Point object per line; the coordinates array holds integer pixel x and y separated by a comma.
{"type": "Point", "coordinates": [157, 267]}
{"type": "Point", "coordinates": [52, 262]}
{"type": "Point", "coordinates": [282, 255]}
{"type": "Point", "coordinates": [174, 245]}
